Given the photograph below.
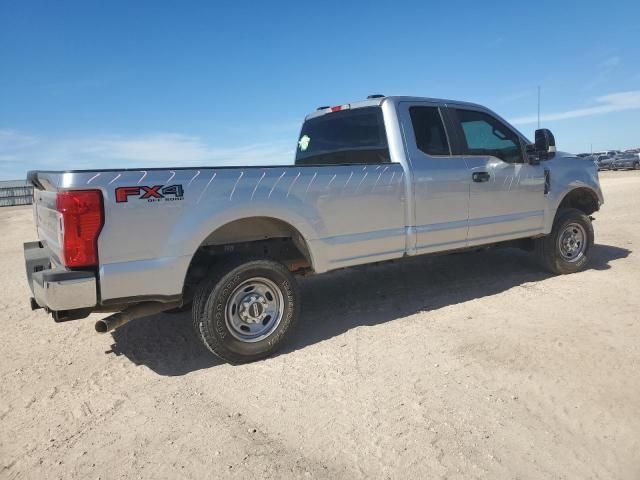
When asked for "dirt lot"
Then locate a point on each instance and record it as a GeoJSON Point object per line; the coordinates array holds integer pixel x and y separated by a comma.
{"type": "Point", "coordinates": [466, 366]}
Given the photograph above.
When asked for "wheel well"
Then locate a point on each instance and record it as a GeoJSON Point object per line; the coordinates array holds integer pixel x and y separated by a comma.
{"type": "Point", "coordinates": [252, 236]}
{"type": "Point", "coordinates": [583, 199]}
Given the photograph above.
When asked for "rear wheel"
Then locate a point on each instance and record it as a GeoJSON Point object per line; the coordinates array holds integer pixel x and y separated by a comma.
{"type": "Point", "coordinates": [246, 310]}
{"type": "Point", "coordinates": [566, 249]}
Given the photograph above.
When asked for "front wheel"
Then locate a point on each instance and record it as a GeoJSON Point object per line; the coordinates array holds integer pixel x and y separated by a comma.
{"type": "Point", "coordinates": [566, 249]}
{"type": "Point", "coordinates": [246, 310]}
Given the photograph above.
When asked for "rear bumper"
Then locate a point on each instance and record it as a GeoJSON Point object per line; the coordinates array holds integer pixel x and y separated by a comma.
{"type": "Point", "coordinates": [55, 288]}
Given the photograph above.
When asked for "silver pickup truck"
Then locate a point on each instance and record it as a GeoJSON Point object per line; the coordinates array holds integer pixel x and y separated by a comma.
{"type": "Point", "coordinates": [373, 180]}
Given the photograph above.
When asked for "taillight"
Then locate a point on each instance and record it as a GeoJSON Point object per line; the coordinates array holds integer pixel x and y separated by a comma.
{"type": "Point", "coordinates": [82, 217]}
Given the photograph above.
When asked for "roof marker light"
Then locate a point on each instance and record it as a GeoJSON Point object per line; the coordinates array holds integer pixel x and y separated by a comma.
{"type": "Point", "coordinates": [337, 108]}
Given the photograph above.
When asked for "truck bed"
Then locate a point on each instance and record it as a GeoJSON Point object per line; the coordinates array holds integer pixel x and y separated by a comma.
{"type": "Point", "coordinates": [347, 214]}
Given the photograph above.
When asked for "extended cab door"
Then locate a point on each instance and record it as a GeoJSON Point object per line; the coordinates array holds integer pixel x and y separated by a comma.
{"type": "Point", "coordinates": [507, 194]}
{"type": "Point", "coordinates": [440, 179]}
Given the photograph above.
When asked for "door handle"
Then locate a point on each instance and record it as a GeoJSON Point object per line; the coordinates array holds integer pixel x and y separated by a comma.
{"type": "Point", "coordinates": [481, 176]}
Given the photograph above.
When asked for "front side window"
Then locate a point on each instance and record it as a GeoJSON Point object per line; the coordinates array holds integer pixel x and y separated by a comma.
{"type": "Point", "coordinates": [486, 135]}
{"type": "Point", "coordinates": [429, 130]}
{"type": "Point", "coordinates": [347, 136]}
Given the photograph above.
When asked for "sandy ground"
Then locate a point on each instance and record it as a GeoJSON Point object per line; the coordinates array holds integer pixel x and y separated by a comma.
{"type": "Point", "coordinates": [466, 366]}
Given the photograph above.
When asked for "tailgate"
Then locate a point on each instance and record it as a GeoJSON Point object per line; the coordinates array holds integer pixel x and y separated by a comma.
{"type": "Point", "coordinates": [46, 216]}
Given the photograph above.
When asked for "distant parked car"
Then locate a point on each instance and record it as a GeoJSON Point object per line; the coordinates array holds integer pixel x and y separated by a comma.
{"type": "Point", "coordinates": [582, 155]}
{"type": "Point", "coordinates": [608, 153]}
{"type": "Point", "coordinates": [604, 162]}
{"type": "Point", "coordinates": [626, 161]}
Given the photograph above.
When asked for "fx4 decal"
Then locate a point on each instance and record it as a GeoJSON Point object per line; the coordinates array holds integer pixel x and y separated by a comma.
{"type": "Point", "coordinates": [155, 193]}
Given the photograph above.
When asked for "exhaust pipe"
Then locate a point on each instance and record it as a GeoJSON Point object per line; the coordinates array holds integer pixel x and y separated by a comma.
{"type": "Point", "coordinates": [131, 313]}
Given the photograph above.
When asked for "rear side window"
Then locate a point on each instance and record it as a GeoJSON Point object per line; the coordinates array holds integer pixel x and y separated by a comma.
{"type": "Point", "coordinates": [429, 130]}
{"type": "Point", "coordinates": [347, 136]}
{"type": "Point", "coordinates": [486, 135]}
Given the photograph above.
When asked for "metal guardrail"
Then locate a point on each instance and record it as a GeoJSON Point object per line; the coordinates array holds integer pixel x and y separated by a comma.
{"type": "Point", "coordinates": [17, 192]}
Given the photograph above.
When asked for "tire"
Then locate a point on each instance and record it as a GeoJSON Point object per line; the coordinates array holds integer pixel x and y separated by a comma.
{"type": "Point", "coordinates": [566, 249]}
{"type": "Point", "coordinates": [246, 310]}
{"type": "Point", "coordinates": [636, 166]}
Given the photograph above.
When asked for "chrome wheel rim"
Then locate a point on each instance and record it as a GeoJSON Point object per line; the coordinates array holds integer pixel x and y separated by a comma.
{"type": "Point", "coordinates": [572, 242]}
{"type": "Point", "coordinates": [254, 309]}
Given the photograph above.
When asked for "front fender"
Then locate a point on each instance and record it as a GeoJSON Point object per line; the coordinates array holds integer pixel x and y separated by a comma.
{"type": "Point", "coordinates": [568, 173]}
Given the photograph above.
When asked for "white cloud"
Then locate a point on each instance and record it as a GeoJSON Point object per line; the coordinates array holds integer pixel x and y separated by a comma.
{"type": "Point", "coordinates": [11, 140]}
{"type": "Point", "coordinates": [515, 96]}
{"type": "Point", "coordinates": [20, 152]}
{"type": "Point", "coordinates": [614, 102]}
{"type": "Point", "coordinates": [603, 71]}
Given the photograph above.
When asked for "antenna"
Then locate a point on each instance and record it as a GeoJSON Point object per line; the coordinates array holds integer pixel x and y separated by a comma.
{"type": "Point", "coordinates": [538, 106]}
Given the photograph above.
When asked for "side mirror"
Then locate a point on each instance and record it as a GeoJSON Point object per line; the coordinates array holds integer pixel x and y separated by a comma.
{"type": "Point", "coordinates": [544, 147]}
{"type": "Point", "coordinates": [545, 142]}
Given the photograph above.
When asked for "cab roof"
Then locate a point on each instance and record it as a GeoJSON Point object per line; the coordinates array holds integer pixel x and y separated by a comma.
{"type": "Point", "coordinates": [378, 101]}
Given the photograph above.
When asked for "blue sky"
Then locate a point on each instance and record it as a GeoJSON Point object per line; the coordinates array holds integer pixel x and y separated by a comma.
{"type": "Point", "coordinates": [156, 83]}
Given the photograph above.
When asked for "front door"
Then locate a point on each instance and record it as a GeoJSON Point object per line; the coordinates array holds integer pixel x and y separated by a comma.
{"type": "Point", "coordinates": [507, 196]}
